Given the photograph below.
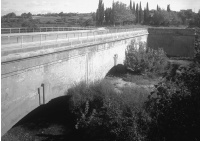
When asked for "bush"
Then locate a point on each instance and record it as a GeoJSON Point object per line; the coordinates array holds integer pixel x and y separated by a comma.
{"type": "Point", "coordinates": [145, 60]}
{"type": "Point", "coordinates": [197, 47]}
{"type": "Point", "coordinates": [174, 107]}
{"type": "Point", "coordinates": [104, 114]}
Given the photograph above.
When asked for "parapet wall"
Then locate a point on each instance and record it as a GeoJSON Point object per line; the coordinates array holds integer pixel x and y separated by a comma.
{"type": "Point", "coordinates": [175, 42]}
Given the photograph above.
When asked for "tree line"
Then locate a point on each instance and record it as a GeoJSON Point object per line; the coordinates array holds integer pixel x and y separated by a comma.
{"type": "Point", "coordinates": [12, 20]}
{"type": "Point", "coordinates": [49, 19]}
{"type": "Point", "coordinates": [120, 14]}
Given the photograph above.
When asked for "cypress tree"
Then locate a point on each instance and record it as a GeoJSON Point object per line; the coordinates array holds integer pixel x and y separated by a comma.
{"type": "Point", "coordinates": [137, 14]}
{"type": "Point", "coordinates": [147, 13]}
{"type": "Point", "coordinates": [113, 13]}
{"type": "Point", "coordinates": [158, 8]}
{"type": "Point", "coordinates": [100, 13]}
{"type": "Point", "coordinates": [97, 16]}
{"type": "Point", "coordinates": [108, 15]}
{"type": "Point", "coordinates": [131, 5]}
{"type": "Point", "coordinates": [147, 8]}
{"type": "Point", "coordinates": [140, 13]}
{"type": "Point", "coordinates": [133, 8]}
{"type": "Point", "coordinates": [168, 8]}
{"type": "Point", "coordinates": [145, 16]}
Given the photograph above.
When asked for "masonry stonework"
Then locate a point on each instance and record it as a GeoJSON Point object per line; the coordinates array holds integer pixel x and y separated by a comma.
{"type": "Point", "coordinates": [33, 77]}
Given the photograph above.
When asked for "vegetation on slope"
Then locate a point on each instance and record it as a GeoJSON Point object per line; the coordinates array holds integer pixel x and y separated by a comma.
{"type": "Point", "coordinates": [170, 112]}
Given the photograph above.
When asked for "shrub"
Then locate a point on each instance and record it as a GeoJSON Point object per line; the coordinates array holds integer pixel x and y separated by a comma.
{"type": "Point", "coordinates": [104, 114]}
{"type": "Point", "coordinates": [197, 48]}
{"type": "Point", "coordinates": [174, 107]}
{"type": "Point", "coordinates": [145, 60]}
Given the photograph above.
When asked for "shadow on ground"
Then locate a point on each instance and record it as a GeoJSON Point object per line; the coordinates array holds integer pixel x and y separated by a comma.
{"type": "Point", "coordinates": [120, 70]}
{"type": "Point", "coordinates": [52, 121]}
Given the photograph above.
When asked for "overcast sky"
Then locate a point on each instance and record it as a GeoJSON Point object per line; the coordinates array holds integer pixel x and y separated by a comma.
{"type": "Point", "coordinates": [85, 6]}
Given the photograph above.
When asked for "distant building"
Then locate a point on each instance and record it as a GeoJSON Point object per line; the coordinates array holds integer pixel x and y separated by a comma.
{"type": "Point", "coordinates": [189, 10]}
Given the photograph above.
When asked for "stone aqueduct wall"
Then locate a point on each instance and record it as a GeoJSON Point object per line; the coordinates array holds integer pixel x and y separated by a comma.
{"type": "Point", "coordinates": [175, 42]}
{"type": "Point", "coordinates": [34, 77]}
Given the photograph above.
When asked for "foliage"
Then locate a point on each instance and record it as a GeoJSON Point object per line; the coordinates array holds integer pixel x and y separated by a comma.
{"type": "Point", "coordinates": [174, 106]}
{"type": "Point", "coordinates": [100, 13]}
{"type": "Point", "coordinates": [197, 48]}
{"type": "Point", "coordinates": [104, 114]}
{"type": "Point", "coordinates": [108, 15]}
{"type": "Point", "coordinates": [29, 24]}
{"type": "Point", "coordinates": [121, 13]}
{"type": "Point", "coordinates": [140, 14]}
{"type": "Point", "coordinates": [158, 8]}
{"type": "Point", "coordinates": [168, 8]}
{"type": "Point", "coordinates": [144, 59]}
{"type": "Point", "coordinates": [137, 14]}
{"type": "Point", "coordinates": [171, 112]}
{"type": "Point", "coordinates": [146, 14]}
{"type": "Point", "coordinates": [133, 8]}
{"type": "Point", "coordinates": [26, 16]}
{"type": "Point", "coordinates": [195, 21]}
{"type": "Point", "coordinates": [10, 15]}
{"type": "Point", "coordinates": [165, 18]}
{"type": "Point", "coordinates": [25, 20]}
{"type": "Point", "coordinates": [130, 6]}
{"type": "Point", "coordinates": [88, 22]}
{"type": "Point", "coordinates": [48, 20]}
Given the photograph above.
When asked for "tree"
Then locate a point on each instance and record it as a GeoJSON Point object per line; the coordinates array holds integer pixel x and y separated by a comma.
{"type": "Point", "coordinates": [61, 14]}
{"type": "Point", "coordinates": [165, 18]}
{"type": "Point", "coordinates": [93, 16]}
{"type": "Point", "coordinates": [100, 13]}
{"type": "Point", "coordinates": [113, 19]}
{"type": "Point", "coordinates": [168, 8]}
{"type": "Point", "coordinates": [133, 10]}
{"type": "Point", "coordinates": [10, 15]}
{"type": "Point", "coordinates": [121, 13]}
{"type": "Point", "coordinates": [137, 14]}
{"type": "Point", "coordinates": [158, 8]}
{"type": "Point", "coordinates": [108, 14]}
{"type": "Point", "coordinates": [174, 18]}
{"type": "Point", "coordinates": [147, 8]}
{"type": "Point", "coordinates": [88, 22]}
{"type": "Point", "coordinates": [26, 16]}
{"type": "Point", "coordinates": [161, 18]}
{"type": "Point", "coordinates": [140, 14]}
{"type": "Point", "coordinates": [195, 22]}
{"type": "Point", "coordinates": [131, 5]}
{"type": "Point", "coordinates": [29, 24]}
{"type": "Point", "coordinates": [145, 16]}
{"type": "Point", "coordinates": [147, 13]}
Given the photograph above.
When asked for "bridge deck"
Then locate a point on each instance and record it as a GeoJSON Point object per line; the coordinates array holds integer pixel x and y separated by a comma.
{"type": "Point", "coordinates": [44, 33]}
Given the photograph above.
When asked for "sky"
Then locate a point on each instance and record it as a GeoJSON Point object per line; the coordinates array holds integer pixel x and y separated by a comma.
{"type": "Point", "coordinates": [85, 6]}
